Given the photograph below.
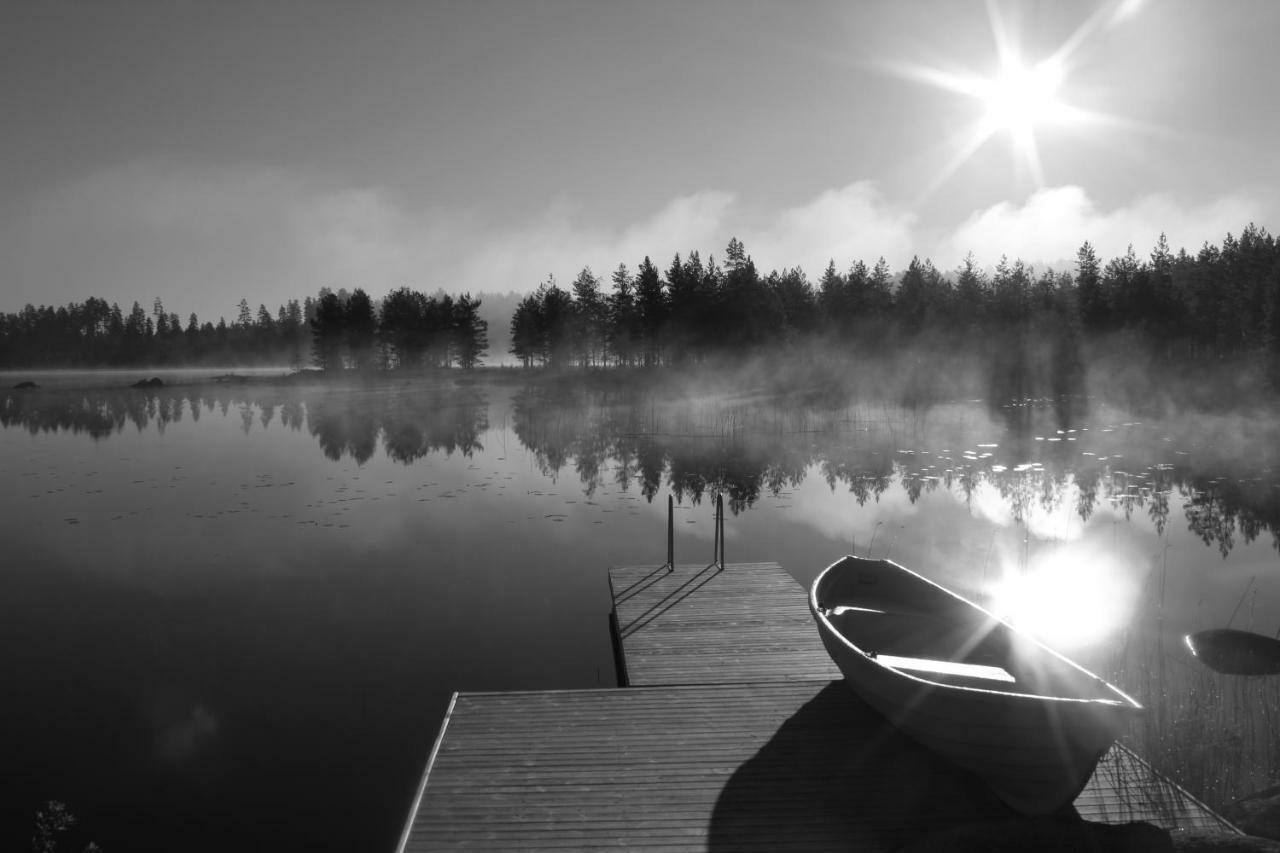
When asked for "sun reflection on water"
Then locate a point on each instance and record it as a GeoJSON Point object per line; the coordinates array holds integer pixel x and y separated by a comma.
{"type": "Point", "coordinates": [1071, 597]}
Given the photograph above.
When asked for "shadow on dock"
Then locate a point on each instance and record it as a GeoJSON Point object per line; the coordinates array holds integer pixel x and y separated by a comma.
{"type": "Point", "coordinates": [670, 600]}
{"type": "Point", "coordinates": [837, 774]}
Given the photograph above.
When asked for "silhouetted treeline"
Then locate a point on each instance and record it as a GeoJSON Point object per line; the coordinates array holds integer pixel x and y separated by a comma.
{"type": "Point", "coordinates": [408, 330]}
{"type": "Point", "coordinates": [1223, 301]}
{"type": "Point", "coordinates": [94, 333]}
{"type": "Point", "coordinates": [333, 331]}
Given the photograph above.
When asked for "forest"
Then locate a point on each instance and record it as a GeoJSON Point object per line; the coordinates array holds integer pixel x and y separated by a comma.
{"type": "Point", "coordinates": [1221, 303]}
{"type": "Point", "coordinates": [332, 331]}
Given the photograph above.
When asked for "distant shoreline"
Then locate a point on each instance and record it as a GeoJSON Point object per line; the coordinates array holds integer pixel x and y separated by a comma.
{"type": "Point", "coordinates": [1136, 378]}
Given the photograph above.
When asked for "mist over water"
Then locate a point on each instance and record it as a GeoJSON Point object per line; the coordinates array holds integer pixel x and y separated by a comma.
{"type": "Point", "coordinates": [242, 607]}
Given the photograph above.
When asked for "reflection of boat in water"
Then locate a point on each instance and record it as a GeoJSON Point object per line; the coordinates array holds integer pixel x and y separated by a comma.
{"type": "Point", "coordinates": [1234, 652]}
{"type": "Point", "coordinates": [1030, 722]}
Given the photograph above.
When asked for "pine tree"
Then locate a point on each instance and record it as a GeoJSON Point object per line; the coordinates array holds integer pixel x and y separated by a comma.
{"type": "Point", "coordinates": [798, 301]}
{"type": "Point", "coordinates": [327, 332]}
{"type": "Point", "coordinates": [1089, 295]}
{"type": "Point", "coordinates": [472, 332]}
{"type": "Point", "coordinates": [555, 328]}
{"type": "Point", "coordinates": [832, 294]}
{"type": "Point", "coordinates": [623, 327]}
{"type": "Point", "coordinates": [971, 294]}
{"type": "Point", "coordinates": [525, 324]}
{"type": "Point", "coordinates": [748, 312]}
{"type": "Point", "coordinates": [651, 304]}
{"type": "Point", "coordinates": [590, 316]}
{"type": "Point", "coordinates": [361, 329]}
{"type": "Point", "coordinates": [402, 333]}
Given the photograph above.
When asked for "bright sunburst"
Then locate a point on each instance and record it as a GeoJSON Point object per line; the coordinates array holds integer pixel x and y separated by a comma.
{"type": "Point", "coordinates": [1021, 97]}
{"type": "Point", "coordinates": [1070, 596]}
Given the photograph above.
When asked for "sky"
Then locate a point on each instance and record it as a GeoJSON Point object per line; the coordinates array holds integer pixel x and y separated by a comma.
{"type": "Point", "coordinates": [205, 152]}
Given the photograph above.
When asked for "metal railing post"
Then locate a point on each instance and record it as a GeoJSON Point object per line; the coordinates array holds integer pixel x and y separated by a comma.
{"type": "Point", "coordinates": [720, 507]}
{"type": "Point", "coordinates": [671, 534]}
{"type": "Point", "coordinates": [717, 535]}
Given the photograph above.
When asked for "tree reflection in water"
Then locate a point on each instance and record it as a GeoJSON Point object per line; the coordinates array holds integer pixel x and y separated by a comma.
{"type": "Point", "coordinates": [755, 448]}
{"type": "Point", "coordinates": [747, 447]}
{"type": "Point", "coordinates": [410, 422]}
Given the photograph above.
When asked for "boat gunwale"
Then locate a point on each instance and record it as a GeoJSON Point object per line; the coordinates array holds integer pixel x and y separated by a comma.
{"type": "Point", "coordinates": [1124, 703]}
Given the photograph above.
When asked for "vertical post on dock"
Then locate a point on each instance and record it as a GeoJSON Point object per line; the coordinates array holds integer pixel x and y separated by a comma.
{"type": "Point", "coordinates": [671, 534]}
{"type": "Point", "coordinates": [717, 537]}
{"type": "Point", "coordinates": [720, 502]}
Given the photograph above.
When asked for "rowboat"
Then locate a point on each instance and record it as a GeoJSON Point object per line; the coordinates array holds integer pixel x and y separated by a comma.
{"type": "Point", "coordinates": [1235, 652]}
{"type": "Point", "coordinates": [967, 685]}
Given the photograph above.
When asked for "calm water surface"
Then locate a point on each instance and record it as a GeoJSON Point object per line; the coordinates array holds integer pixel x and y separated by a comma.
{"type": "Point", "coordinates": [234, 613]}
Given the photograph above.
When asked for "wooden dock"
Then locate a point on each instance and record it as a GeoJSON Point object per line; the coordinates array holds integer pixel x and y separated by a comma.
{"type": "Point", "coordinates": [734, 734]}
{"type": "Point", "coordinates": [698, 625]}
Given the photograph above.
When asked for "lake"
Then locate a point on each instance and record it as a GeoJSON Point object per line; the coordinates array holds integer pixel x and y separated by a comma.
{"type": "Point", "coordinates": [235, 611]}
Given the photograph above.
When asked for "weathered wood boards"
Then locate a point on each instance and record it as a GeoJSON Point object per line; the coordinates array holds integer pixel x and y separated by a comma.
{"type": "Point", "coordinates": [697, 625]}
{"type": "Point", "coordinates": [784, 765]}
{"type": "Point", "coordinates": [706, 758]}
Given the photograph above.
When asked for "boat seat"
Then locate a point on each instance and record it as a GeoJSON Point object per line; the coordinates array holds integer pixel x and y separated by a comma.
{"type": "Point", "coordinates": [936, 668]}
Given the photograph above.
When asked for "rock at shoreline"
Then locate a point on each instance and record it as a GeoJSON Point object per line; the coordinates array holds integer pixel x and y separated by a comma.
{"type": "Point", "coordinates": [1066, 835]}
{"type": "Point", "coordinates": [1257, 814]}
{"type": "Point", "coordinates": [153, 382]}
{"type": "Point", "coordinates": [26, 386]}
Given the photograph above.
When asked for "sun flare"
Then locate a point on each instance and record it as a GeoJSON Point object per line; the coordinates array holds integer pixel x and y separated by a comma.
{"type": "Point", "coordinates": [1070, 599]}
{"type": "Point", "coordinates": [1021, 97]}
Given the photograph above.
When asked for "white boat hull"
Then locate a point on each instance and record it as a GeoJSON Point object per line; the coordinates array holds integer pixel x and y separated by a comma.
{"type": "Point", "coordinates": [972, 688]}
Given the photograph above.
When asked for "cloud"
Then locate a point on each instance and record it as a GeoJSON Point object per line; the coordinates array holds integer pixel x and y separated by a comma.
{"type": "Point", "coordinates": [844, 225]}
{"type": "Point", "coordinates": [367, 236]}
{"type": "Point", "coordinates": [1052, 224]}
{"type": "Point", "coordinates": [204, 237]}
{"type": "Point", "coordinates": [556, 243]}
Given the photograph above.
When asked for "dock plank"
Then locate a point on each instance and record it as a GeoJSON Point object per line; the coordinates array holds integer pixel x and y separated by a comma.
{"type": "Point", "coordinates": [697, 625]}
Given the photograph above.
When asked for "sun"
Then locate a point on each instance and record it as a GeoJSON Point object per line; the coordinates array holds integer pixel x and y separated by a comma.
{"type": "Point", "coordinates": [1022, 97]}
